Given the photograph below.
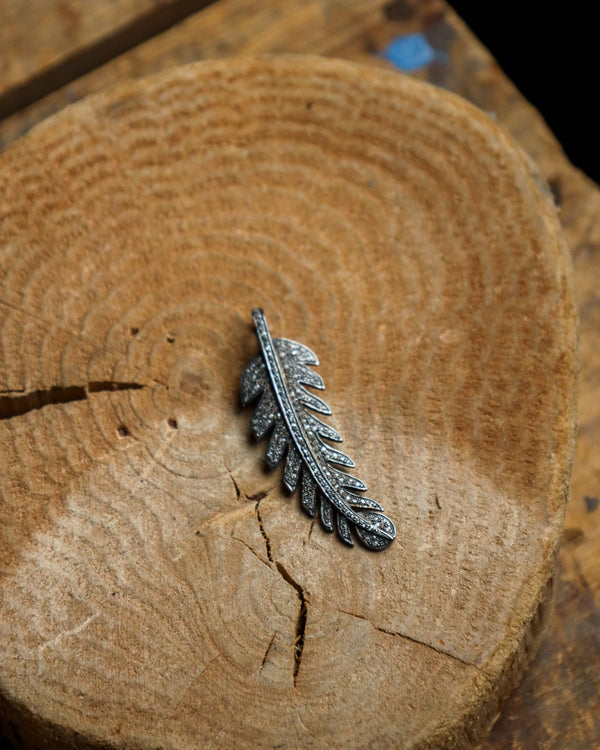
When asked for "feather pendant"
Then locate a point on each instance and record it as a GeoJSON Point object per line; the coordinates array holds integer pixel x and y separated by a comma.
{"type": "Point", "coordinates": [279, 375]}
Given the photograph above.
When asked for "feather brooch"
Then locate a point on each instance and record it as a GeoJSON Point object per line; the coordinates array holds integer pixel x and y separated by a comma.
{"type": "Point", "coordinates": [279, 375]}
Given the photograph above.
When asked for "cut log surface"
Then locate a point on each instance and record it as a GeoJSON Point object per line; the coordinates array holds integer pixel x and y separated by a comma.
{"type": "Point", "coordinates": [159, 587]}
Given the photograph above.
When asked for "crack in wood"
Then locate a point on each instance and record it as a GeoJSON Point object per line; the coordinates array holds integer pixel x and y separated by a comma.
{"type": "Point", "coordinates": [235, 484]}
{"type": "Point", "coordinates": [264, 659]}
{"type": "Point", "coordinates": [263, 532]}
{"type": "Point", "coordinates": [406, 637]}
{"type": "Point", "coordinates": [254, 552]}
{"type": "Point", "coordinates": [17, 403]}
{"type": "Point", "coordinates": [301, 618]}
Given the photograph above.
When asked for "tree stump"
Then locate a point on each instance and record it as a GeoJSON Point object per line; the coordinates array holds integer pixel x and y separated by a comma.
{"type": "Point", "coordinates": [159, 586]}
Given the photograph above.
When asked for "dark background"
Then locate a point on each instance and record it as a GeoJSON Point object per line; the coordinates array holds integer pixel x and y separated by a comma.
{"type": "Point", "coordinates": [551, 52]}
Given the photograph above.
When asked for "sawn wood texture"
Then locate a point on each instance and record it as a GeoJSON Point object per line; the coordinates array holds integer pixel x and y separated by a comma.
{"type": "Point", "coordinates": [159, 588]}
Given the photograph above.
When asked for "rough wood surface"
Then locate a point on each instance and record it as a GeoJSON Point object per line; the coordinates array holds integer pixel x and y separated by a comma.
{"type": "Point", "coordinates": [226, 28]}
{"type": "Point", "coordinates": [47, 43]}
{"type": "Point", "coordinates": [158, 587]}
{"type": "Point", "coordinates": [556, 705]}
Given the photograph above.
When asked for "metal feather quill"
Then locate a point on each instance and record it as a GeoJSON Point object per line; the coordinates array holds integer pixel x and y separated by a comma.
{"type": "Point", "coordinates": [279, 375]}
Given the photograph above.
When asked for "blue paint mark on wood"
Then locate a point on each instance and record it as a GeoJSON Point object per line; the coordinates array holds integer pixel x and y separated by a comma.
{"type": "Point", "coordinates": [409, 52]}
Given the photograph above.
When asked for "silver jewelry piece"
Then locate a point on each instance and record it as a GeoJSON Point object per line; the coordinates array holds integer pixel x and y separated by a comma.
{"type": "Point", "coordinates": [280, 373]}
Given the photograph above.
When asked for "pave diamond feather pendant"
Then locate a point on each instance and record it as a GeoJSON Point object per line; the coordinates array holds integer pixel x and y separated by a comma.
{"type": "Point", "coordinates": [279, 375]}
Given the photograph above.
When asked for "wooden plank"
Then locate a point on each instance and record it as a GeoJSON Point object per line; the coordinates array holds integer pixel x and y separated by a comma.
{"type": "Point", "coordinates": [561, 691]}
{"type": "Point", "coordinates": [44, 45]}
